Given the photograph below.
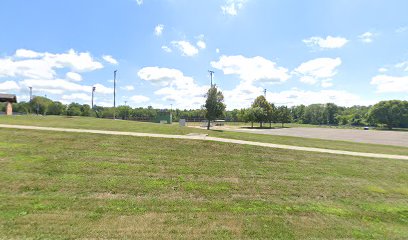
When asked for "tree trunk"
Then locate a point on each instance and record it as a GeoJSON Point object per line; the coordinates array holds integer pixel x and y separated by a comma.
{"type": "Point", "coordinates": [252, 124]}
{"type": "Point", "coordinates": [208, 126]}
{"type": "Point", "coordinates": [261, 125]}
{"type": "Point", "coordinates": [270, 124]}
{"type": "Point", "coordinates": [282, 125]}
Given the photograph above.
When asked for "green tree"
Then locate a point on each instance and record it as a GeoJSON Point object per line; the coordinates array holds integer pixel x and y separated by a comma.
{"type": "Point", "coordinates": [214, 105]}
{"type": "Point", "coordinates": [74, 109]}
{"type": "Point", "coordinates": [56, 108]}
{"type": "Point", "coordinates": [40, 105]}
{"type": "Point", "coordinates": [284, 115]}
{"type": "Point", "coordinates": [392, 113]}
{"type": "Point", "coordinates": [267, 114]}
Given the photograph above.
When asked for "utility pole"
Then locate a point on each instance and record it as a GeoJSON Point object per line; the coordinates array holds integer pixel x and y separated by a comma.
{"type": "Point", "coordinates": [93, 91]}
{"type": "Point", "coordinates": [31, 93]}
{"type": "Point", "coordinates": [114, 94]}
{"type": "Point", "coordinates": [265, 92]}
{"type": "Point", "coordinates": [211, 75]}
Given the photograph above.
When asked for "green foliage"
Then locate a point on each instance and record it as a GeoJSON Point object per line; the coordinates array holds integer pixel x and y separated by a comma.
{"type": "Point", "coordinates": [214, 105]}
{"type": "Point", "coordinates": [392, 113]}
{"type": "Point", "coordinates": [74, 109]}
{"type": "Point", "coordinates": [267, 113]}
{"type": "Point", "coordinates": [284, 115]}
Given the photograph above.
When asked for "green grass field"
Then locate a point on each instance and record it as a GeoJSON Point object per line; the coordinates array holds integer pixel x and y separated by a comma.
{"type": "Point", "coordinates": [131, 126]}
{"type": "Point", "coordinates": [70, 185]}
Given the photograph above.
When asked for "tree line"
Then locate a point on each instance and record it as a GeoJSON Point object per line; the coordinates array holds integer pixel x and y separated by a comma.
{"type": "Point", "coordinates": [389, 114]}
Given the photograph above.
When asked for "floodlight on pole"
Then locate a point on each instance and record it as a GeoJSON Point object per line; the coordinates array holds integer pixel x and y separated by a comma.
{"type": "Point", "coordinates": [211, 75]}
{"type": "Point", "coordinates": [93, 91]}
{"type": "Point", "coordinates": [114, 94]}
{"type": "Point", "coordinates": [265, 92]}
{"type": "Point", "coordinates": [31, 93]}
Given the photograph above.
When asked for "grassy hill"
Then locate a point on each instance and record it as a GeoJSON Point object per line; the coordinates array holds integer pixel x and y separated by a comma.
{"type": "Point", "coordinates": [70, 185]}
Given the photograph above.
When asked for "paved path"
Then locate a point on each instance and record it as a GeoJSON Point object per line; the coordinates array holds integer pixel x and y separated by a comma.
{"type": "Point", "coordinates": [206, 138]}
{"type": "Point", "coordinates": [394, 138]}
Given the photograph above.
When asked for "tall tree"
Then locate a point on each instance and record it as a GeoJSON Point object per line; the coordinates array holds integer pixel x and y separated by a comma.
{"type": "Point", "coordinates": [266, 107]}
{"type": "Point", "coordinates": [392, 113]}
{"type": "Point", "coordinates": [284, 115]}
{"type": "Point", "coordinates": [214, 105]}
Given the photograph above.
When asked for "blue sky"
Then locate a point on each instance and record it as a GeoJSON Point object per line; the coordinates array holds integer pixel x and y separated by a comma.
{"type": "Point", "coordinates": [302, 52]}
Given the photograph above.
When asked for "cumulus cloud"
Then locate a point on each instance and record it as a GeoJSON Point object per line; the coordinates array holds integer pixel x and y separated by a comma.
{"type": "Point", "coordinates": [255, 69]}
{"type": "Point", "coordinates": [185, 47]}
{"type": "Point", "coordinates": [402, 65]}
{"type": "Point", "coordinates": [110, 59]}
{"type": "Point", "coordinates": [128, 88]}
{"type": "Point", "coordinates": [158, 30]}
{"type": "Point", "coordinates": [44, 65]}
{"type": "Point", "coordinates": [366, 37]}
{"type": "Point", "coordinates": [9, 86]}
{"type": "Point", "coordinates": [75, 97]}
{"type": "Point", "coordinates": [25, 53]}
{"type": "Point", "coordinates": [139, 99]}
{"type": "Point", "coordinates": [201, 44]}
{"type": "Point", "coordinates": [390, 84]}
{"type": "Point", "coordinates": [74, 76]}
{"type": "Point", "coordinates": [326, 43]}
{"type": "Point", "coordinates": [316, 70]}
{"type": "Point", "coordinates": [231, 7]}
{"type": "Point", "coordinates": [139, 2]}
{"type": "Point", "coordinates": [182, 90]}
{"type": "Point", "coordinates": [166, 49]}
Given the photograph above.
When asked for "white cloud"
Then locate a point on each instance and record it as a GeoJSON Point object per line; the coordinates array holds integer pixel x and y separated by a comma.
{"type": "Point", "coordinates": [139, 99]}
{"type": "Point", "coordinates": [402, 65]}
{"type": "Point", "coordinates": [390, 84]}
{"type": "Point", "coordinates": [231, 7]}
{"type": "Point", "coordinates": [296, 97]}
{"type": "Point", "coordinates": [251, 69]}
{"type": "Point", "coordinates": [139, 2]}
{"type": "Point", "coordinates": [326, 83]}
{"type": "Point", "coordinates": [158, 30]}
{"type": "Point", "coordinates": [101, 89]}
{"type": "Point", "coordinates": [24, 53]}
{"type": "Point", "coordinates": [382, 70]}
{"type": "Point", "coordinates": [166, 49]}
{"type": "Point", "coordinates": [110, 59]}
{"type": "Point", "coordinates": [186, 48]}
{"type": "Point", "coordinates": [182, 90]}
{"type": "Point", "coordinates": [320, 69]}
{"type": "Point", "coordinates": [366, 37]}
{"type": "Point", "coordinates": [77, 96]}
{"type": "Point", "coordinates": [128, 88]}
{"type": "Point", "coordinates": [217, 50]}
{"type": "Point", "coordinates": [326, 43]}
{"type": "Point", "coordinates": [9, 86]}
{"type": "Point", "coordinates": [46, 64]}
{"type": "Point", "coordinates": [201, 44]}
{"type": "Point", "coordinates": [74, 76]}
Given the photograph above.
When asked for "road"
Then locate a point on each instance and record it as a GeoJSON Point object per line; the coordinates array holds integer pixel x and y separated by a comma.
{"type": "Point", "coordinates": [206, 138]}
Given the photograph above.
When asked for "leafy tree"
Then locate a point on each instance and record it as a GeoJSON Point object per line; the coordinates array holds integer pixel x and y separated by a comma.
{"type": "Point", "coordinates": [56, 108]}
{"type": "Point", "coordinates": [40, 105]}
{"type": "Point", "coordinates": [284, 115]}
{"type": "Point", "coordinates": [267, 113]}
{"type": "Point", "coordinates": [214, 105]}
{"type": "Point", "coordinates": [392, 113]}
{"type": "Point", "coordinates": [74, 109]}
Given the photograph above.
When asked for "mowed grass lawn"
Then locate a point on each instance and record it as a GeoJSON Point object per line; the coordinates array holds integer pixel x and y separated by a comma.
{"type": "Point", "coordinates": [132, 126]}
{"type": "Point", "coordinates": [73, 185]}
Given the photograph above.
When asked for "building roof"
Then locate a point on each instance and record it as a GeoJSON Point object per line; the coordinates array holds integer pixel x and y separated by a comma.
{"type": "Point", "coordinates": [8, 98]}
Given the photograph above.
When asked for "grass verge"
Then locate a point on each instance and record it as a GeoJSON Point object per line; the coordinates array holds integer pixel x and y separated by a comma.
{"type": "Point", "coordinates": [69, 185]}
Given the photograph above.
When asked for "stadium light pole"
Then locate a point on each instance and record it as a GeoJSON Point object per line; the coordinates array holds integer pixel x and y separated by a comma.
{"type": "Point", "coordinates": [211, 75]}
{"type": "Point", "coordinates": [114, 94]}
{"type": "Point", "coordinates": [265, 92]}
{"type": "Point", "coordinates": [31, 93]}
{"type": "Point", "coordinates": [93, 91]}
